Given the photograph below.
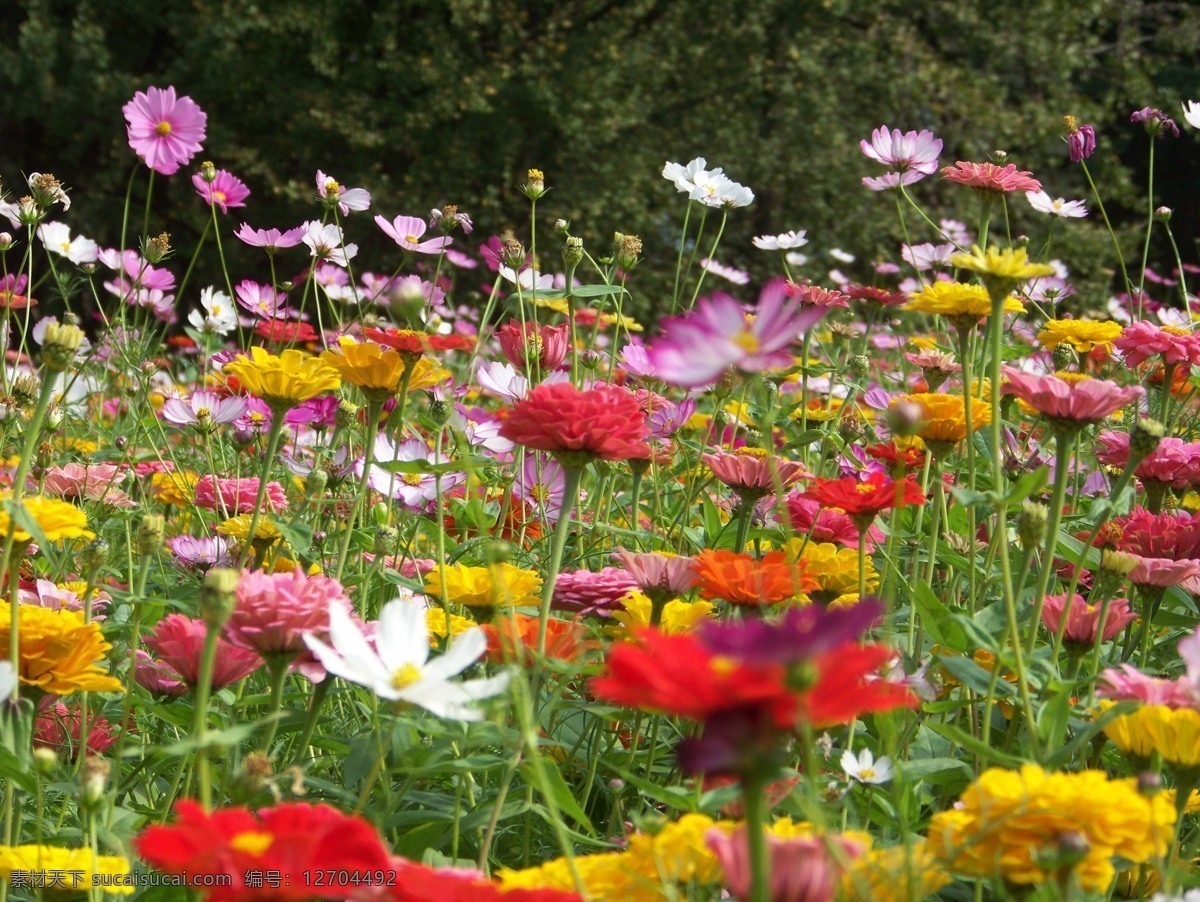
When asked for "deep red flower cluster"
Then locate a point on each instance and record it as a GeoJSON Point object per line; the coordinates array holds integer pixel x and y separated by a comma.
{"type": "Point", "coordinates": [864, 500]}
{"type": "Point", "coordinates": [579, 425]}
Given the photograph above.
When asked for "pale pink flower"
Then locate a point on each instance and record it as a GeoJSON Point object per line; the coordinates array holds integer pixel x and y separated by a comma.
{"type": "Point", "coordinates": [163, 130]}
{"type": "Point", "coordinates": [345, 199]}
{"type": "Point", "coordinates": [801, 869]}
{"type": "Point", "coordinates": [1087, 401]}
{"type": "Point", "coordinates": [665, 575]}
{"type": "Point", "coordinates": [910, 155]}
{"type": "Point", "coordinates": [406, 231]}
{"type": "Point", "coordinates": [754, 474]}
{"type": "Point", "coordinates": [325, 241]}
{"type": "Point", "coordinates": [97, 483]}
{"type": "Point", "coordinates": [540, 483]}
{"type": "Point", "coordinates": [232, 496]}
{"type": "Point", "coordinates": [270, 240]}
{"type": "Point", "coordinates": [1126, 683]}
{"type": "Point", "coordinates": [46, 594]}
{"type": "Point", "coordinates": [203, 409]}
{"type": "Point", "coordinates": [1056, 206]}
{"type": "Point", "coordinates": [261, 300]}
{"type": "Point", "coordinates": [224, 191]}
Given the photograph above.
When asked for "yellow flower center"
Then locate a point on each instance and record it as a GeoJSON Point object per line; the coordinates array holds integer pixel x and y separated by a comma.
{"type": "Point", "coordinates": [256, 417]}
{"type": "Point", "coordinates": [252, 842]}
{"type": "Point", "coordinates": [747, 451]}
{"type": "Point", "coordinates": [410, 239]}
{"type": "Point", "coordinates": [412, 479]}
{"type": "Point", "coordinates": [66, 246]}
{"type": "Point", "coordinates": [218, 197]}
{"type": "Point", "coordinates": [331, 188]}
{"type": "Point", "coordinates": [203, 413]}
{"type": "Point", "coordinates": [864, 488]}
{"type": "Point", "coordinates": [540, 494]}
{"type": "Point", "coordinates": [1175, 330]}
{"type": "Point", "coordinates": [163, 128]}
{"type": "Point", "coordinates": [722, 665]}
{"type": "Point", "coordinates": [405, 676]}
{"type": "Point", "coordinates": [747, 341]}
{"type": "Point", "coordinates": [867, 773]}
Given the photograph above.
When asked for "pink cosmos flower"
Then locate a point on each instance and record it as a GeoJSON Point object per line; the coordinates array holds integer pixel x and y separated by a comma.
{"type": "Point", "coordinates": [540, 483]}
{"type": "Point", "coordinates": [406, 231]}
{"type": "Point", "coordinates": [163, 130]}
{"type": "Point", "coordinates": [270, 240]}
{"type": "Point", "coordinates": [754, 474]}
{"type": "Point", "coordinates": [592, 592]}
{"type": "Point", "coordinates": [179, 643]}
{"type": "Point", "coordinates": [696, 348]}
{"type": "Point", "coordinates": [236, 496]}
{"type": "Point", "coordinates": [345, 199]}
{"type": "Point", "coordinates": [416, 490]}
{"type": "Point", "coordinates": [1155, 121]}
{"type": "Point", "coordinates": [46, 594]}
{"type": "Point", "coordinates": [200, 553]}
{"type": "Point", "coordinates": [988, 178]}
{"type": "Point", "coordinates": [275, 610]}
{"type": "Point", "coordinates": [910, 155]}
{"type": "Point", "coordinates": [224, 191]}
{"type": "Point", "coordinates": [157, 678]}
{"type": "Point", "coordinates": [1142, 340]}
{"type": "Point", "coordinates": [326, 242]}
{"type": "Point", "coordinates": [1083, 619]}
{"type": "Point", "coordinates": [133, 273]}
{"type": "Point", "coordinates": [204, 409]}
{"type": "Point", "coordinates": [1087, 401]}
{"type": "Point", "coordinates": [261, 300]}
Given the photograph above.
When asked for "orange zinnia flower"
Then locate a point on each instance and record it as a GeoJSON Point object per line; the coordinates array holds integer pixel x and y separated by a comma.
{"type": "Point", "coordinates": [741, 579]}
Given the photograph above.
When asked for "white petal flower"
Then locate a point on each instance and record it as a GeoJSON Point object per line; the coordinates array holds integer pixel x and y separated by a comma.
{"type": "Point", "coordinates": [865, 769]}
{"type": "Point", "coordinates": [1067, 209]}
{"type": "Point", "coordinates": [786, 241]}
{"type": "Point", "coordinates": [8, 680]}
{"type": "Point", "coordinates": [1191, 113]}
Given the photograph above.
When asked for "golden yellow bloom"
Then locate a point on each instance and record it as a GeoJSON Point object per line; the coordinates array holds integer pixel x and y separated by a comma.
{"type": "Point", "coordinates": [73, 869]}
{"type": "Point", "coordinates": [1081, 334]}
{"type": "Point", "coordinates": [897, 874]}
{"type": "Point", "coordinates": [177, 488]}
{"type": "Point", "coordinates": [59, 652]}
{"type": "Point", "coordinates": [1172, 732]}
{"type": "Point", "coordinates": [628, 323]}
{"type": "Point", "coordinates": [57, 519]}
{"type": "Point", "coordinates": [1007, 820]}
{"type": "Point", "coordinates": [677, 617]}
{"type": "Point", "coordinates": [923, 343]}
{"type": "Point", "coordinates": [435, 620]}
{"type": "Point", "coordinates": [943, 416]}
{"type": "Point", "coordinates": [836, 569]}
{"type": "Point", "coordinates": [426, 374]}
{"type": "Point", "coordinates": [283, 381]}
{"type": "Point", "coordinates": [558, 305]}
{"type": "Point", "coordinates": [239, 528]}
{"type": "Point", "coordinates": [82, 445]}
{"type": "Point", "coordinates": [818, 411]}
{"type": "Point", "coordinates": [500, 585]}
{"type": "Point", "coordinates": [1010, 264]}
{"type": "Point", "coordinates": [958, 299]}
{"type": "Point", "coordinates": [370, 366]}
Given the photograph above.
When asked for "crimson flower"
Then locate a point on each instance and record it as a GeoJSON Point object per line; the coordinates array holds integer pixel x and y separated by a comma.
{"type": "Point", "coordinates": [294, 839]}
{"type": "Point", "coordinates": [578, 426]}
{"type": "Point", "coordinates": [863, 501]}
{"type": "Point", "coordinates": [421, 883]}
{"type": "Point", "coordinates": [179, 643]}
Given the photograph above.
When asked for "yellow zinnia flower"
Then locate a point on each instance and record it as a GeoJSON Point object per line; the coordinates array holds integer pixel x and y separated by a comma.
{"type": "Point", "coordinates": [435, 621]}
{"type": "Point", "coordinates": [1081, 334]}
{"type": "Point", "coordinates": [897, 874]}
{"type": "Point", "coordinates": [67, 869]}
{"type": "Point", "coordinates": [284, 381]}
{"type": "Point", "coordinates": [677, 617]}
{"type": "Point", "coordinates": [836, 569]}
{"type": "Point", "coordinates": [57, 519]}
{"type": "Point", "coordinates": [177, 488]}
{"type": "Point", "coordinates": [373, 368]}
{"type": "Point", "coordinates": [59, 652]}
{"type": "Point", "coordinates": [943, 417]}
{"type": "Point", "coordinates": [426, 374]}
{"type": "Point", "coordinates": [1007, 820]}
{"type": "Point", "coordinates": [997, 266]}
{"type": "Point", "coordinates": [1172, 732]}
{"type": "Point", "coordinates": [958, 299]}
{"type": "Point", "coordinates": [500, 585]}
{"type": "Point", "coordinates": [239, 528]}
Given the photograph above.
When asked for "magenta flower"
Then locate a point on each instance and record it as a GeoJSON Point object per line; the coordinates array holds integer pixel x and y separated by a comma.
{"type": "Point", "coordinates": [179, 643]}
{"type": "Point", "coordinates": [225, 190]}
{"type": "Point", "coordinates": [345, 199]}
{"type": "Point", "coordinates": [163, 130]}
{"type": "Point", "coordinates": [1142, 340]}
{"type": "Point", "coordinates": [157, 678]}
{"type": "Point", "coordinates": [406, 231]}
{"type": "Point", "coordinates": [237, 495]}
{"type": "Point", "coordinates": [204, 409]}
{"type": "Point", "coordinates": [262, 300]}
{"type": "Point", "coordinates": [911, 156]}
{"type": "Point", "coordinates": [592, 592]}
{"type": "Point", "coordinates": [697, 348]}
{"type": "Point", "coordinates": [1155, 122]}
{"type": "Point", "coordinates": [1087, 401]}
{"type": "Point", "coordinates": [1081, 143]}
{"type": "Point", "coordinates": [1174, 462]}
{"type": "Point", "coordinates": [270, 240]}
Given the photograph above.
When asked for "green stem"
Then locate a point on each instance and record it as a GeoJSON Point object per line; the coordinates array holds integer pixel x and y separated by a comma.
{"type": "Point", "coordinates": [278, 673]}
{"type": "Point", "coordinates": [200, 721]}
{"type": "Point", "coordinates": [1062, 466]}
{"type": "Point", "coordinates": [571, 478]}
{"type": "Point", "coordinates": [273, 439]}
{"type": "Point", "coordinates": [754, 806]}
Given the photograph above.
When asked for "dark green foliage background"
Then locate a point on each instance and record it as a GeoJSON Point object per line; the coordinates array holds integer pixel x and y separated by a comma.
{"type": "Point", "coordinates": [426, 103]}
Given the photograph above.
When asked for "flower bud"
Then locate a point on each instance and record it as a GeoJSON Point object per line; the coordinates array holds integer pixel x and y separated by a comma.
{"type": "Point", "coordinates": [157, 248]}
{"type": "Point", "coordinates": [346, 414]}
{"type": "Point", "coordinates": [26, 388]}
{"type": "Point", "coordinates": [905, 417]}
{"type": "Point", "coordinates": [121, 442]}
{"type": "Point", "coordinates": [317, 482]}
{"type": "Point", "coordinates": [95, 554]}
{"type": "Point", "coordinates": [55, 414]}
{"type": "Point", "coordinates": [591, 358]}
{"type": "Point", "coordinates": [572, 252]}
{"type": "Point", "coordinates": [999, 156]}
{"type": "Point", "coordinates": [439, 412]}
{"type": "Point", "coordinates": [217, 598]}
{"type": "Point", "coordinates": [1149, 783]}
{"type": "Point", "coordinates": [59, 345]}
{"type": "Point", "coordinates": [387, 540]}
{"type": "Point", "coordinates": [860, 365]}
{"type": "Point", "coordinates": [44, 761]}
{"type": "Point", "coordinates": [562, 226]}
{"type": "Point", "coordinates": [380, 513]}
{"type": "Point", "coordinates": [1117, 562]}
{"type": "Point", "coordinates": [44, 456]}
{"type": "Point", "coordinates": [628, 252]}
{"type": "Point", "coordinates": [94, 778]}
{"type": "Point", "coordinates": [1163, 214]}
{"type": "Point", "coordinates": [208, 172]}
{"type": "Point", "coordinates": [1144, 437]}
{"type": "Point", "coordinates": [150, 533]}
{"type": "Point", "coordinates": [28, 212]}
{"type": "Point", "coordinates": [535, 184]}
{"type": "Point", "coordinates": [499, 551]}
{"type": "Point", "coordinates": [1065, 357]}
{"type": "Point", "coordinates": [6, 241]}
{"type": "Point", "coordinates": [514, 253]}
{"type": "Point", "coordinates": [1031, 524]}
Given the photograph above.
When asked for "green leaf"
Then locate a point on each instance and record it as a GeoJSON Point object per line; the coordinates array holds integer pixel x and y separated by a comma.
{"type": "Point", "coordinates": [597, 291]}
{"type": "Point", "coordinates": [297, 534]}
{"type": "Point", "coordinates": [975, 677]}
{"type": "Point", "coordinates": [558, 790]}
{"type": "Point", "coordinates": [937, 619]}
{"type": "Point", "coordinates": [976, 747]}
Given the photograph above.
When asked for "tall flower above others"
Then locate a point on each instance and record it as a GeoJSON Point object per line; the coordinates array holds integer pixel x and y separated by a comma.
{"type": "Point", "coordinates": [283, 381]}
{"type": "Point", "coordinates": [165, 131]}
{"type": "Point", "coordinates": [223, 190]}
{"type": "Point", "coordinates": [1001, 268]}
{"type": "Point", "coordinates": [697, 348]}
{"type": "Point", "coordinates": [406, 231]}
{"type": "Point", "coordinates": [990, 179]}
{"type": "Point", "coordinates": [576, 426]}
{"type": "Point", "coordinates": [910, 156]}
{"type": "Point", "coordinates": [1081, 139]}
{"type": "Point", "coordinates": [398, 668]}
{"type": "Point", "coordinates": [345, 199]}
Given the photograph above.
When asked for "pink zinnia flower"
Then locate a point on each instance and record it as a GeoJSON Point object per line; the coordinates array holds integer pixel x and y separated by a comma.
{"type": "Point", "coordinates": [988, 178]}
{"type": "Point", "coordinates": [592, 592]}
{"type": "Point", "coordinates": [1174, 462]}
{"type": "Point", "coordinates": [1085, 401]}
{"type": "Point", "coordinates": [237, 495]}
{"type": "Point", "coordinates": [157, 678]}
{"type": "Point", "coordinates": [406, 231]}
{"type": "Point", "coordinates": [1083, 619]}
{"type": "Point", "coordinates": [275, 610]}
{"type": "Point", "coordinates": [697, 348]}
{"type": "Point", "coordinates": [910, 155]}
{"type": "Point", "coordinates": [1142, 340]}
{"type": "Point", "coordinates": [163, 130]}
{"type": "Point", "coordinates": [345, 199]}
{"type": "Point", "coordinates": [60, 729]}
{"type": "Point", "coordinates": [749, 472]}
{"type": "Point", "coordinates": [1126, 683]}
{"type": "Point", "coordinates": [91, 482]}
{"type": "Point", "coordinates": [179, 643]}
{"type": "Point", "coordinates": [801, 869]}
{"type": "Point", "coordinates": [270, 240]}
{"type": "Point", "coordinates": [808, 517]}
{"type": "Point", "coordinates": [659, 574]}
{"type": "Point", "coordinates": [814, 295]}
{"type": "Point", "coordinates": [225, 190]}
{"type": "Point", "coordinates": [204, 409]}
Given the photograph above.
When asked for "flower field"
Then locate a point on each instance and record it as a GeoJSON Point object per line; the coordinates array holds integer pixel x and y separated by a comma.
{"type": "Point", "coordinates": [477, 570]}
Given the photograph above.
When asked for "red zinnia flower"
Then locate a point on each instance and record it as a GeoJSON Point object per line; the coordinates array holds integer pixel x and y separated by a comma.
{"type": "Point", "coordinates": [988, 178]}
{"type": "Point", "coordinates": [863, 501]}
{"type": "Point", "coordinates": [295, 839]}
{"type": "Point", "coordinates": [849, 686]}
{"type": "Point", "coordinates": [179, 643]}
{"type": "Point", "coordinates": [880, 296]}
{"type": "Point", "coordinates": [406, 341]}
{"type": "Point", "coordinates": [677, 675]}
{"type": "Point", "coordinates": [898, 459]}
{"type": "Point", "coordinates": [578, 426]}
{"type": "Point", "coordinates": [419, 883]}
{"type": "Point", "coordinates": [285, 331]}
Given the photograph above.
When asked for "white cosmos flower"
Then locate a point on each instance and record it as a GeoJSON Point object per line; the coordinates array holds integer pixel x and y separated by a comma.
{"type": "Point", "coordinates": [840, 255]}
{"type": "Point", "coordinates": [398, 667]}
{"type": "Point", "coordinates": [694, 175]}
{"type": "Point", "coordinates": [865, 769]}
{"type": "Point", "coordinates": [1067, 209]}
{"type": "Point", "coordinates": [528, 279]}
{"type": "Point", "coordinates": [56, 236]}
{"type": "Point", "coordinates": [722, 191]}
{"type": "Point", "coordinates": [325, 242]}
{"type": "Point", "coordinates": [733, 274]}
{"type": "Point", "coordinates": [219, 314]}
{"type": "Point", "coordinates": [785, 242]}
{"type": "Point", "coordinates": [1191, 113]}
